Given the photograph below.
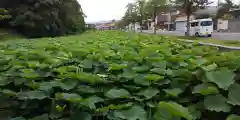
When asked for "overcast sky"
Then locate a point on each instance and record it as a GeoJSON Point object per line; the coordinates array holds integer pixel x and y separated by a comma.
{"type": "Point", "coordinates": [101, 10]}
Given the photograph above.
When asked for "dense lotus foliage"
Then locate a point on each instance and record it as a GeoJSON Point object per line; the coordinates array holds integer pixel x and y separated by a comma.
{"type": "Point", "coordinates": [111, 75]}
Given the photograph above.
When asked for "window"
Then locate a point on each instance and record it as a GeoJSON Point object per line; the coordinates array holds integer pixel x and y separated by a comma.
{"type": "Point", "coordinates": [194, 24]}
{"type": "Point", "coordinates": [206, 23]}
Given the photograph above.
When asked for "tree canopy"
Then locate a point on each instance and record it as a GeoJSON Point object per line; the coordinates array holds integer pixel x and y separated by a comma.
{"type": "Point", "coordinates": [225, 7]}
{"type": "Point", "coordinates": [142, 10]}
{"type": "Point", "coordinates": [190, 6]}
{"type": "Point", "coordinates": [40, 18]}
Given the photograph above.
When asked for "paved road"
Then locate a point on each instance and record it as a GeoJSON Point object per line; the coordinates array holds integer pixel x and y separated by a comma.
{"type": "Point", "coordinates": [216, 35]}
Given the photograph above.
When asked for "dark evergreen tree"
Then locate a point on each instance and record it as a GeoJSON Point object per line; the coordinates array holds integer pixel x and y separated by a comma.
{"type": "Point", "coordinates": [41, 18]}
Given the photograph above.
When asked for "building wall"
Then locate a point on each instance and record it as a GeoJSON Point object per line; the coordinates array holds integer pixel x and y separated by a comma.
{"type": "Point", "coordinates": [184, 18]}
{"type": "Point", "coordinates": [235, 14]}
{"type": "Point", "coordinates": [234, 23]}
{"type": "Point", "coordinates": [165, 18]}
{"type": "Point", "coordinates": [234, 26]}
{"type": "Point", "coordinates": [222, 25]}
{"type": "Point", "coordinates": [131, 26]}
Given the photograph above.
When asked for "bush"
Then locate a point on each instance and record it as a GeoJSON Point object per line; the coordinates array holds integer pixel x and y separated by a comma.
{"type": "Point", "coordinates": [4, 14]}
{"type": "Point", "coordinates": [114, 75]}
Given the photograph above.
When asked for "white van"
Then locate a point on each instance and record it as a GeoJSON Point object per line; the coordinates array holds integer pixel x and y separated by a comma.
{"type": "Point", "coordinates": [201, 27]}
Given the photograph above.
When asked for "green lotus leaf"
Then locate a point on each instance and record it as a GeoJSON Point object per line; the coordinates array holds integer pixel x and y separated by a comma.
{"type": "Point", "coordinates": [233, 117]}
{"type": "Point", "coordinates": [216, 103]}
{"type": "Point", "coordinates": [42, 117]}
{"type": "Point", "coordinates": [81, 116]}
{"type": "Point", "coordinates": [32, 95]}
{"type": "Point", "coordinates": [176, 109]}
{"type": "Point", "coordinates": [158, 71]}
{"type": "Point", "coordinates": [153, 77]}
{"type": "Point", "coordinates": [233, 94]}
{"type": "Point", "coordinates": [72, 97]}
{"type": "Point", "coordinates": [90, 101]}
{"type": "Point", "coordinates": [223, 78]}
{"type": "Point", "coordinates": [140, 79]}
{"type": "Point", "coordinates": [114, 107]}
{"type": "Point", "coordinates": [68, 84]}
{"type": "Point", "coordinates": [86, 89]}
{"type": "Point", "coordinates": [18, 118]}
{"type": "Point", "coordinates": [210, 67]}
{"type": "Point", "coordinates": [148, 93]}
{"type": "Point", "coordinates": [116, 67]}
{"type": "Point", "coordinates": [175, 92]}
{"type": "Point", "coordinates": [140, 69]}
{"type": "Point", "coordinates": [117, 93]}
{"type": "Point", "coordinates": [205, 89]}
{"type": "Point", "coordinates": [134, 113]}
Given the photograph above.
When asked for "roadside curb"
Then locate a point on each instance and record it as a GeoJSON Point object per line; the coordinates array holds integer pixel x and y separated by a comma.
{"type": "Point", "coordinates": [220, 47]}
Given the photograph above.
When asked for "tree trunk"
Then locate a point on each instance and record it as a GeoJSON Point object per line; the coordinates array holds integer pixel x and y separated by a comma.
{"type": "Point", "coordinates": [134, 27]}
{"type": "Point", "coordinates": [141, 21]}
{"type": "Point", "coordinates": [188, 12]}
{"type": "Point", "coordinates": [141, 27]}
{"type": "Point", "coordinates": [169, 20]}
{"type": "Point", "coordinates": [153, 20]}
{"type": "Point", "coordinates": [188, 25]}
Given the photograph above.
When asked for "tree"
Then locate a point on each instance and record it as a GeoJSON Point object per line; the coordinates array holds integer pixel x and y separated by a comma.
{"type": "Point", "coordinates": [203, 16]}
{"type": "Point", "coordinates": [4, 15]}
{"type": "Point", "coordinates": [140, 7]}
{"type": "Point", "coordinates": [224, 8]}
{"type": "Point", "coordinates": [155, 7]}
{"type": "Point", "coordinates": [142, 10]}
{"type": "Point", "coordinates": [42, 18]}
{"type": "Point", "coordinates": [131, 14]}
{"type": "Point", "coordinates": [190, 6]}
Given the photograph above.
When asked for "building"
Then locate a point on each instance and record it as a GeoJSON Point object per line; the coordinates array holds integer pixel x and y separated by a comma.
{"type": "Point", "coordinates": [235, 13]}
{"type": "Point", "coordinates": [180, 22]}
{"type": "Point", "coordinates": [133, 27]}
{"type": "Point", "coordinates": [176, 19]}
{"type": "Point", "coordinates": [90, 26]}
{"type": "Point", "coordinates": [164, 20]}
{"type": "Point", "coordinates": [234, 20]}
{"type": "Point", "coordinates": [106, 25]}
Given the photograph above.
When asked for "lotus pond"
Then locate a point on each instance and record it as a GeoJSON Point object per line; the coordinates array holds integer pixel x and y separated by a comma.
{"type": "Point", "coordinates": [112, 75]}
